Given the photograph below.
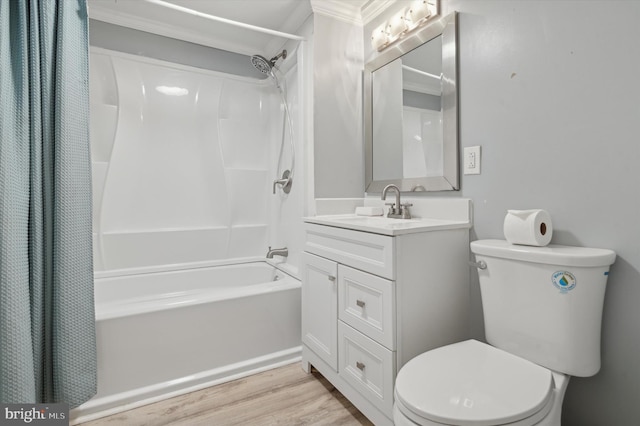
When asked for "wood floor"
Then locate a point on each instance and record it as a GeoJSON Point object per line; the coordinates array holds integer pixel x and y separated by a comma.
{"type": "Point", "coordinates": [283, 396]}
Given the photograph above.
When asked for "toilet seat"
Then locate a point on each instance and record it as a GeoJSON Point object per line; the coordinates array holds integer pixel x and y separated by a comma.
{"type": "Point", "coordinates": [472, 383]}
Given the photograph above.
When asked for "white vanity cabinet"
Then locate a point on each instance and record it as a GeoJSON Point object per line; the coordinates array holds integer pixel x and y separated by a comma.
{"type": "Point", "coordinates": [371, 302]}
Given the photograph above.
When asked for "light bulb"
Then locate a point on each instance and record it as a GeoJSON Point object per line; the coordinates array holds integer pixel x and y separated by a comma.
{"type": "Point", "coordinates": [418, 11]}
{"type": "Point", "coordinates": [397, 25]}
{"type": "Point", "coordinates": [379, 37]}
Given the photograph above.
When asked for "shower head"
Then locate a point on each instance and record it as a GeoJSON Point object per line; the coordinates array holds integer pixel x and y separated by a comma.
{"type": "Point", "coordinates": [265, 65]}
{"type": "Point", "coordinates": [262, 64]}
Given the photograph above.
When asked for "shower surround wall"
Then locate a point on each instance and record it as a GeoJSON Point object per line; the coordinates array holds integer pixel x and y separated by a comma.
{"type": "Point", "coordinates": [183, 162]}
{"type": "Point", "coordinates": [287, 209]}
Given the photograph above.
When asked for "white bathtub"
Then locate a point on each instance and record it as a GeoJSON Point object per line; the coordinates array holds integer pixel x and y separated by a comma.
{"type": "Point", "coordinates": [163, 334]}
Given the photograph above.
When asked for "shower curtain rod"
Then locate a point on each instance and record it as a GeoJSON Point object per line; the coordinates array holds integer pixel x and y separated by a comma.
{"type": "Point", "coordinates": [226, 21]}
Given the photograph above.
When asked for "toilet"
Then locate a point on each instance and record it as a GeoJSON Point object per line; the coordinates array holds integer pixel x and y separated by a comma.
{"type": "Point", "coordinates": [542, 314]}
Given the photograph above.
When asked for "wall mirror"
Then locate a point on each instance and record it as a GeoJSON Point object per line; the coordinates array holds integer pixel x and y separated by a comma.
{"type": "Point", "coordinates": [411, 112]}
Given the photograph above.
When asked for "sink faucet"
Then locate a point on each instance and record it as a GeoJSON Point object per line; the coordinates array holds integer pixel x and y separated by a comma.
{"type": "Point", "coordinates": [396, 210]}
{"type": "Point", "coordinates": [278, 252]}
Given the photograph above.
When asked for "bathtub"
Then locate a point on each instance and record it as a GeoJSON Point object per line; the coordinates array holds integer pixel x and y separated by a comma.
{"type": "Point", "coordinates": [163, 334]}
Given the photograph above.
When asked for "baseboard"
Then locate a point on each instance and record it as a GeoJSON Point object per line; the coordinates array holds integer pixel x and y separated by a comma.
{"type": "Point", "coordinates": [112, 404]}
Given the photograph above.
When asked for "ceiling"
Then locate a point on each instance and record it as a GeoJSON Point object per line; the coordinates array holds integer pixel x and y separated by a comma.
{"type": "Point", "coordinates": [280, 15]}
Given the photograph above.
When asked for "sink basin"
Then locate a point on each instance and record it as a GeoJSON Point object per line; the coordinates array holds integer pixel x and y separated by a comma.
{"type": "Point", "coordinates": [384, 225]}
{"type": "Point", "coordinates": [376, 220]}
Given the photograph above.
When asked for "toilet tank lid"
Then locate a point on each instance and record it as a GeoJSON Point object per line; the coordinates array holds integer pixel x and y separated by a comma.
{"type": "Point", "coordinates": [551, 254]}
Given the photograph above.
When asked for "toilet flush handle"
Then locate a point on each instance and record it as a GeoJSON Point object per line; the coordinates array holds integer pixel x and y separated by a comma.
{"type": "Point", "coordinates": [480, 265]}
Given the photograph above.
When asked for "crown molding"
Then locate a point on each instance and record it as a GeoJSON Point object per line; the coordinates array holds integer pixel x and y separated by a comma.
{"type": "Point", "coordinates": [347, 11]}
{"type": "Point", "coordinates": [359, 12]}
{"type": "Point", "coordinates": [373, 8]}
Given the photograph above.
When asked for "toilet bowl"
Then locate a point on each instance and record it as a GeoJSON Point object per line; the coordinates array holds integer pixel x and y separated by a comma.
{"type": "Point", "coordinates": [472, 384]}
{"type": "Point", "coordinates": [542, 311]}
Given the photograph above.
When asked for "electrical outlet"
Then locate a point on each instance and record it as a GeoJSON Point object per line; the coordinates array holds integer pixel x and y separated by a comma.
{"type": "Point", "coordinates": [472, 160]}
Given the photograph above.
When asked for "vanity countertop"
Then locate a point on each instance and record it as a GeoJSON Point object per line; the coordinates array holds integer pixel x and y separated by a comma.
{"type": "Point", "coordinates": [386, 226]}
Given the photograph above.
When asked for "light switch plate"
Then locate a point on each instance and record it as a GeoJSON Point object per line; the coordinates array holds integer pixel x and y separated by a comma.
{"type": "Point", "coordinates": [472, 160]}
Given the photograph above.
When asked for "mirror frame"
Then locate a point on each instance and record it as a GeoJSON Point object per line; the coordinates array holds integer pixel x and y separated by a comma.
{"type": "Point", "coordinates": [447, 27]}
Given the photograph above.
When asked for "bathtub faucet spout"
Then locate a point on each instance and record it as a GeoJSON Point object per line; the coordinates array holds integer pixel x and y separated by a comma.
{"type": "Point", "coordinates": [278, 252]}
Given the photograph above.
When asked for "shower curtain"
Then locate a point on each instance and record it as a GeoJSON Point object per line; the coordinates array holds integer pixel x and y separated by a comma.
{"type": "Point", "coordinates": [47, 326]}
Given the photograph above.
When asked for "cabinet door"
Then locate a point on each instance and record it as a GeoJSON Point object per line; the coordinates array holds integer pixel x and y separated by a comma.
{"type": "Point", "coordinates": [320, 307]}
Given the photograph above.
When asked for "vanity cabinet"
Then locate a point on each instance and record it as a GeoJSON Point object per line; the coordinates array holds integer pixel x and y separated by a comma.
{"type": "Point", "coordinates": [371, 302]}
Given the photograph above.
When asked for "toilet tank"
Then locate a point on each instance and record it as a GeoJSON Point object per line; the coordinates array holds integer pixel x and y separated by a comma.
{"type": "Point", "coordinates": [545, 303]}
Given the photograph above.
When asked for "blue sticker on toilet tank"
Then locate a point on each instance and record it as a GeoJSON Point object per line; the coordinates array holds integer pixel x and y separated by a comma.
{"type": "Point", "coordinates": [563, 280]}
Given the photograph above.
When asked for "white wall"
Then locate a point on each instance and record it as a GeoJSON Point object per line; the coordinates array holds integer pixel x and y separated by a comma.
{"type": "Point", "coordinates": [188, 178]}
{"type": "Point", "coordinates": [337, 123]}
{"type": "Point", "coordinates": [550, 90]}
{"type": "Point", "coordinates": [287, 209]}
{"type": "Point", "coordinates": [183, 173]}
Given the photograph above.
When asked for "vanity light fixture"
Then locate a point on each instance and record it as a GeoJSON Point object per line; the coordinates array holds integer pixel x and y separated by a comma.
{"type": "Point", "coordinates": [404, 22]}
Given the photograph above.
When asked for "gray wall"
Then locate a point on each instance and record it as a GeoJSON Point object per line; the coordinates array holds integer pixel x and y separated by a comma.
{"type": "Point", "coordinates": [337, 109]}
{"type": "Point", "coordinates": [123, 39]}
{"type": "Point", "coordinates": [551, 91]}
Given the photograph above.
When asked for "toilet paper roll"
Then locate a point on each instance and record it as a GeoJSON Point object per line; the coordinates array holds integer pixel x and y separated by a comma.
{"type": "Point", "coordinates": [528, 227]}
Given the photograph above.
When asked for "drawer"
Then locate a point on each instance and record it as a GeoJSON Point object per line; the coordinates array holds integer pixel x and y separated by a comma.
{"type": "Point", "coordinates": [367, 366]}
{"type": "Point", "coordinates": [367, 303]}
{"type": "Point", "coordinates": [361, 250]}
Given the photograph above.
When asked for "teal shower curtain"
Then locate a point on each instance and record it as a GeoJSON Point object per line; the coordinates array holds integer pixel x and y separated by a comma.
{"type": "Point", "coordinates": [47, 326]}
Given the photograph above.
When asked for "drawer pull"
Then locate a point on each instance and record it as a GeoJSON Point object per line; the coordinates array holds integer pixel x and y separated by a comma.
{"type": "Point", "coordinates": [360, 365]}
{"type": "Point", "coordinates": [331, 278]}
{"type": "Point", "coordinates": [360, 303]}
